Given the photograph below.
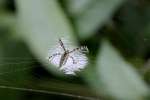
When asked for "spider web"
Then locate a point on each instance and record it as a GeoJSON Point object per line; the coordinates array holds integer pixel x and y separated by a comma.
{"type": "Point", "coordinates": [76, 60]}
{"type": "Point", "coordinates": [13, 65]}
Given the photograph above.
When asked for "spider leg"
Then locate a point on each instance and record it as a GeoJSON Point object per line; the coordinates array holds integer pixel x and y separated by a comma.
{"type": "Point", "coordinates": [62, 44]}
{"type": "Point", "coordinates": [76, 49]}
{"type": "Point", "coordinates": [74, 62]}
{"type": "Point", "coordinates": [82, 48]}
{"type": "Point", "coordinates": [53, 55]}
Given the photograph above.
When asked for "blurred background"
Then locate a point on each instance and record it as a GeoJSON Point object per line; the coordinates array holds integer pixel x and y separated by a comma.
{"type": "Point", "coordinates": [117, 33]}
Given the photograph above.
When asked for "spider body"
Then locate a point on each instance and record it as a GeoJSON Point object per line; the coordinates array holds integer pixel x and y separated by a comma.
{"type": "Point", "coordinates": [64, 58]}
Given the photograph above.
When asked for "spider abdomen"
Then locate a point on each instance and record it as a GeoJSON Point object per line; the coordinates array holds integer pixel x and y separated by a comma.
{"type": "Point", "coordinates": [63, 59]}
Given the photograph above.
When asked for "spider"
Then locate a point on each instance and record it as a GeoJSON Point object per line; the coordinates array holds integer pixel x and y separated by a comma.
{"type": "Point", "coordinates": [78, 59]}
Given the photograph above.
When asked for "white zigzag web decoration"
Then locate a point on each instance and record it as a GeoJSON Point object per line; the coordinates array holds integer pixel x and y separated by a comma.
{"type": "Point", "coordinates": [67, 58]}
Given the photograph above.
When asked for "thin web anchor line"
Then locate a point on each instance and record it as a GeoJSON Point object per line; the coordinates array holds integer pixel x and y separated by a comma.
{"type": "Point", "coordinates": [36, 90]}
{"type": "Point", "coordinates": [8, 72]}
{"type": "Point", "coordinates": [39, 91]}
{"type": "Point", "coordinates": [15, 63]}
{"type": "Point", "coordinates": [17, 70]}
{"type": "Point", "coordinates": [18, 58]}
{"type": "Point", "coordinates": [47, 92]}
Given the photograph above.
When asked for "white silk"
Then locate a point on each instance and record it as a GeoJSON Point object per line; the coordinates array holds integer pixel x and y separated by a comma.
{"type": "Point", "coordinates": [78, 61]}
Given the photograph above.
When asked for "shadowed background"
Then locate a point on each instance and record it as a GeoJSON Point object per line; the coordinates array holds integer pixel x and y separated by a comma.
{"type": "Point", "coordinates": [116, 32]}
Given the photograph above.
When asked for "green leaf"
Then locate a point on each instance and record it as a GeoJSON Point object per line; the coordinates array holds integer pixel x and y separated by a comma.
{"type": "Point", "coordinates": [76, 7]}
{"type": "Point", "coordinates": [92, 14]}
{"type": "Point", "coordinates": [7, 20]}
{"type": "Point", "coordinates": [118, 78]}
{"type": "Point", "coordinates": [42, 22]}
{"type": "Point", "coordinates": [114, 77]}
